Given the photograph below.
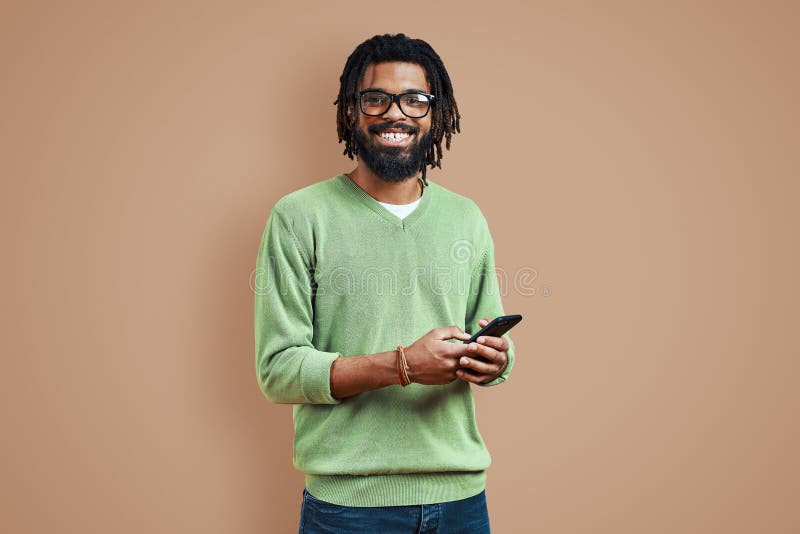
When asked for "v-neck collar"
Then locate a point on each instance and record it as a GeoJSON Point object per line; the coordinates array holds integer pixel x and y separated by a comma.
{"type": "Point", "coordinates": [370, 202]}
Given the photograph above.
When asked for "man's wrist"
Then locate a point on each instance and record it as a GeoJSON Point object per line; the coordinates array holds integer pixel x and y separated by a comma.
{"type": "Point", "coordinates": [386, 363]}
{"type": "Point", "coordinates": [352, 375]}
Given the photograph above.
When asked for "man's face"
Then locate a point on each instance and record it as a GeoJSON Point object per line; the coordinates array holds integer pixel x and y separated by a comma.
{"type": "Point", "coordinates": [392, 160]}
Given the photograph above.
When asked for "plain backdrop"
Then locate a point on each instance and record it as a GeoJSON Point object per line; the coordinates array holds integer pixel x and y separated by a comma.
{"type": "Point", "coordinates": [638, 165]}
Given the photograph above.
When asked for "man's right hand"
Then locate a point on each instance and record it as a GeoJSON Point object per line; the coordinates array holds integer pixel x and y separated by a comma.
{"type": "Point", "coordinates": [434, 361]}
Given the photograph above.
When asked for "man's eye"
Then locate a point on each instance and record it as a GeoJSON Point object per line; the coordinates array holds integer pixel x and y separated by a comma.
{"type": "Point", "coordinates": [375, 100]}
{"type": "Point", "coordinates": [415, 100]}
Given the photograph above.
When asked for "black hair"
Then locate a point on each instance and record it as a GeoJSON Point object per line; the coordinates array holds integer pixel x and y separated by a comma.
{"type": "Point", "coordinates": [445, 120]}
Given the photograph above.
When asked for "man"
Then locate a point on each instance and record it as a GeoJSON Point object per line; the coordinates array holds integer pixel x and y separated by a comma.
{"type": "Point", "coordinates": [352, 268]}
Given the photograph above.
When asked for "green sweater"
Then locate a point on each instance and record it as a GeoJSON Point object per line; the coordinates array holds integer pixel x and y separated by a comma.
{"type": "Point", "coordinates": [340, 275]}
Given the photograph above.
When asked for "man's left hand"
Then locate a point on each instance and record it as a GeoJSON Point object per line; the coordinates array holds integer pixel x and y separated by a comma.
{"type": "Point", "coordinates": [492, 349]}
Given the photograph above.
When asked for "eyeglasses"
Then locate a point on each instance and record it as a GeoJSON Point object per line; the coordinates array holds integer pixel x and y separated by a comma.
{"type": "Point", "coordinates": [414, 104]}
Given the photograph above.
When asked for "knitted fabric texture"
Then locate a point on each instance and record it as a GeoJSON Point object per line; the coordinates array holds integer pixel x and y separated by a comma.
{"type": "Point", "coordinates": [339, 275]}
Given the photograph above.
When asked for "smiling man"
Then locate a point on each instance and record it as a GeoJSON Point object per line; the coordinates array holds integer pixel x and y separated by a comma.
{"type": "Point", "coordinates": [349, 270]}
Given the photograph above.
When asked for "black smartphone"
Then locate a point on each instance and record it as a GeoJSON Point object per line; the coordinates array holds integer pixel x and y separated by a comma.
{"type": "Point", "coordinates": [497, 327]}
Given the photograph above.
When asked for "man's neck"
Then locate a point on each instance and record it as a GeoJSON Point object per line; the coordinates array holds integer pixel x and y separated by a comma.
{"type": "Point", "coordinates": [404, 192]}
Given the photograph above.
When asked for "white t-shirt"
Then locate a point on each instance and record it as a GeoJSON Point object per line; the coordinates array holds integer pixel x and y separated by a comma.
{"type": "Point", "coordinates": [401, 210]}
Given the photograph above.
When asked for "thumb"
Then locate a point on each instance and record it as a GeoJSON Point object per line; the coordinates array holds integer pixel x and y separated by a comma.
{"type": "Point", "coordinates": [453, 332]}
{"type": "Point", "coordinates": [463, 336]}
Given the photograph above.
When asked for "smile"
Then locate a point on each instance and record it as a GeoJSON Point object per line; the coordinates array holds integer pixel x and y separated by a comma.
{"type": "Point", "coordinates": [395, 138]}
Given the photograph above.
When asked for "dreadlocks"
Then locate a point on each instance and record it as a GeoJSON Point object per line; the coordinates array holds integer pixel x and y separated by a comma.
{"type": "Point", "coordinates": [383, 48]}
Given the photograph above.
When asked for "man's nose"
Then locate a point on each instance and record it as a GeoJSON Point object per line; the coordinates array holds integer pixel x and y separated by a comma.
{"type": "Point", "coordinates": [394, 112]}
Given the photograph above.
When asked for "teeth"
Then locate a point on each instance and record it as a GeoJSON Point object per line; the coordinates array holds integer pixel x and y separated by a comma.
{"type": "Point", "coordinates": [394, 136]}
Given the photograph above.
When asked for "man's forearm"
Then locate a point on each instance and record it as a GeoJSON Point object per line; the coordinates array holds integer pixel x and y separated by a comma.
{"type": "Point", "coordinates": [352, 375]}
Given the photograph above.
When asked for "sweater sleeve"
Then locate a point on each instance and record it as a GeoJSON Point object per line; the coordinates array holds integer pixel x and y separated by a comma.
{"type": "Point", "coordinates": [289, 368]}
{"type": "Point", "coordinates": [484, 301]}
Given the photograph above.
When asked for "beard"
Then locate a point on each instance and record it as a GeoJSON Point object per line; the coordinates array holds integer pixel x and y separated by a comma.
{"type": "Point", "coordinates": [389, 163]}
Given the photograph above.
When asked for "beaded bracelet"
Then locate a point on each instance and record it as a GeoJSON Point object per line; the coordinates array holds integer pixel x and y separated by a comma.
{"type": "Point", "coordinates": [402, 367]}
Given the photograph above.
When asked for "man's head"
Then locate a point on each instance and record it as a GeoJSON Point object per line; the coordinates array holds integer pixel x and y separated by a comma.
{"type": "Point", "coordinates": [396, 64]}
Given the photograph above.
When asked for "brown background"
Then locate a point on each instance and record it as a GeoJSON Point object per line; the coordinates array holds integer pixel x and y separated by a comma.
{"type": "Point", "coordinates": [637, 162]}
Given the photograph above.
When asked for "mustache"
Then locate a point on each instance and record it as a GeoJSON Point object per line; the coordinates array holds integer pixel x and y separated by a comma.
{"type": "Point", "coordinates": [379, 128]}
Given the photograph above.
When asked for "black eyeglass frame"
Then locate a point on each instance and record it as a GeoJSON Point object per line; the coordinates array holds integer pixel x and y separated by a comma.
{"type": "Point", "coordinates": [395, 98]}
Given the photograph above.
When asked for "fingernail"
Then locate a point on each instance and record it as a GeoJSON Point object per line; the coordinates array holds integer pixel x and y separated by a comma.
{"type": "Point", "coordinates": [473, 346]}
{"type": "Point", "coordinates": [481, 339]}
{"type": "Point", "coordinates": [464, 361]}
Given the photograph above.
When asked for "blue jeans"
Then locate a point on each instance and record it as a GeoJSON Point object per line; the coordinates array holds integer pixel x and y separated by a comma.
{"type": "Point", "coordinates": [467, 516]}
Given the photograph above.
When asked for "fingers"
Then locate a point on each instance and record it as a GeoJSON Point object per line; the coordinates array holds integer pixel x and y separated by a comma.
{"type": "Point", "coordinates": [449, 332]}
{"type": "Point", "coordinates": [492, 354]}
{"type": "Point", "coordinates": [471, 376]}
{"type": "Point", "coordinates": [499, 343]}
{"type": "Point", "coordinates": [483, 322]}
{"type": "Point", "coordinates": [483, 372]}
{"type": "Point", "coordinates": [477, 371]}
{"type": "Point", "coordinates": [477, 366]}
